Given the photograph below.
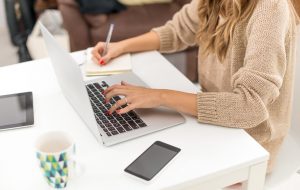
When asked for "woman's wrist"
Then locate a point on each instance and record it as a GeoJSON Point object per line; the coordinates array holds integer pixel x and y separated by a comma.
{"type": "Point", "coordinates": [163, 97]}
{"type": "Point", "coordinates": [123, 47]}
{"type": "Point", "coordinates": [180, 101]}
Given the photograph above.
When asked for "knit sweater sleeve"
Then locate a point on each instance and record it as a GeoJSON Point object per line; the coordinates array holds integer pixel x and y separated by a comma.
{"type": "Point", "coordinates": [257, 84]}
{"type": "Point", "coordinates": [180, 32]}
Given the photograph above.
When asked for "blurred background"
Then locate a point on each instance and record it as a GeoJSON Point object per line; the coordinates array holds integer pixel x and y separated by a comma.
{"type": "Point", "coordinates": [8, 52]}
{"type": "Point", "coordinates": [79, 24]}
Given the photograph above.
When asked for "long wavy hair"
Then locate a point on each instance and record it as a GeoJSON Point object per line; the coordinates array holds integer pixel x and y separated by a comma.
{"type": "Point", "coordinates": [217, 21]}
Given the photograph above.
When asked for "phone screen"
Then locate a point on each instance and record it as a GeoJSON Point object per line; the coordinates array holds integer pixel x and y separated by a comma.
{"type": "Point", "coordinates": [150, 162]}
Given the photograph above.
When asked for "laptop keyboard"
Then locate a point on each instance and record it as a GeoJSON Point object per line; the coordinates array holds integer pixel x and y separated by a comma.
{"type": "Point", "coordinates": [111, 124]}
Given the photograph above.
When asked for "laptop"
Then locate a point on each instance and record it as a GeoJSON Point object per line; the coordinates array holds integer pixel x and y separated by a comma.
{"type": "Point", "coordinates": [87, 100]}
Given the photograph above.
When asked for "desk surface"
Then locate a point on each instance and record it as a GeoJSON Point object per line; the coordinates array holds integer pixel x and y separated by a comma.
{"type": "Point", "coordinates": [207, 150]}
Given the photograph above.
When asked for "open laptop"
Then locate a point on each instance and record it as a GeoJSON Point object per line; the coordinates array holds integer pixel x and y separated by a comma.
{"type": "Point", "coordinates": [87, 100]}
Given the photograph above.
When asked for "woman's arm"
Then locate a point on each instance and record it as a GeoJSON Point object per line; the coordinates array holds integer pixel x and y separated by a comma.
{"type": "Point", "coordinates": [180, 101]}
{"type": "Point", "coordinates": [141, 97]}
{"type": "Point", "coordinates": [146, 42]}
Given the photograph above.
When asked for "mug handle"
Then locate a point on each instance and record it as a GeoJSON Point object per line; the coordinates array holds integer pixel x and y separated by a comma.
{"type": "Point", "coordinates": [77, 168]}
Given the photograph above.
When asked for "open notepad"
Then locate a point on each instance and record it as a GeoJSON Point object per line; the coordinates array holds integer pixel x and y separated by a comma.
{"type": "Point", "coordinates": [115, 66]}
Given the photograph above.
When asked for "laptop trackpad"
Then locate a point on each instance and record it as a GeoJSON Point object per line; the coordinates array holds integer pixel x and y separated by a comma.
{"type": "Point", "coordinates": [160, 117]}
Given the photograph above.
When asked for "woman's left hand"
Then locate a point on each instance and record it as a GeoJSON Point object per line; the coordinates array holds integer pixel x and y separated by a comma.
{"type": "Point", "coordinates": [134, 97]}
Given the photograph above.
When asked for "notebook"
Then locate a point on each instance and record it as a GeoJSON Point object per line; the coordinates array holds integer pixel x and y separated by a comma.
{"type": "Point", "coordinates": [117, 65]}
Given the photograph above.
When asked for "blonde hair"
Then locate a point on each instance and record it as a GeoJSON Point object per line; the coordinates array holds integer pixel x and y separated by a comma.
{"type": "Point", "coordinates": [215, 37]}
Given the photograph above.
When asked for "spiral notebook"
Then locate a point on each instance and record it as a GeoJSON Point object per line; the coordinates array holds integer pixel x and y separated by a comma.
{"type": "Point", "coordinates": [117, 65]}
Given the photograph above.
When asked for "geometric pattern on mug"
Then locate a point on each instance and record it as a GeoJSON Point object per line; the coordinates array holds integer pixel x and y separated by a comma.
{"type": "Point", "coordinates": [55, 169]}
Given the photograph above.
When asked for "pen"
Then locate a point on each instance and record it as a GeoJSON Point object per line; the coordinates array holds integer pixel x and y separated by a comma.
{"type": "Point", "coordinates": [111, 28]}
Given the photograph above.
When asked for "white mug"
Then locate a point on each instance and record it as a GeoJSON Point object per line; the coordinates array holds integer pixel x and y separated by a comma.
{"type": "Point", "coordinates": [55, 151]}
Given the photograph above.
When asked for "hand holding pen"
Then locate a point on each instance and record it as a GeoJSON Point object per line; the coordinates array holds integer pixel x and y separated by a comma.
{"type": "Point", "coordinates": [103, 52]}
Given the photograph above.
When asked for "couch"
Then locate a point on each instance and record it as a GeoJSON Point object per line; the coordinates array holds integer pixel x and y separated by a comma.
{"type": "Point", "coordinates": [86, 30]}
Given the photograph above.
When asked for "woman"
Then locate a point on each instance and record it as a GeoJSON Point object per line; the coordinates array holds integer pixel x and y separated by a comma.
{"type": "Point", "coordinates": [246, 63]}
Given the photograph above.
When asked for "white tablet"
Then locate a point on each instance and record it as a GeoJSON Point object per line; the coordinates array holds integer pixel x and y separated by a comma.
{"type": "Point", "coordinates": [16, 111]}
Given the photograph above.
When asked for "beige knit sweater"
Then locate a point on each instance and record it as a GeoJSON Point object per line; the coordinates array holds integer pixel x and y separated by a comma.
{"type": "Point", "coordinates": [252, 89]}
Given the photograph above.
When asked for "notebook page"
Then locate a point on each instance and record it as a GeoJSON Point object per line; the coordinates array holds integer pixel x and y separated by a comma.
{"type": "Point", "coordinates": [114, 66]}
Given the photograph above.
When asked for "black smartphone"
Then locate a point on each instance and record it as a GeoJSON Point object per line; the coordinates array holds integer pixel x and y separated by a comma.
{"type": "Point", "coordinates": [151, 161]}
{"type": "Point", "coordinates": [16, 111]}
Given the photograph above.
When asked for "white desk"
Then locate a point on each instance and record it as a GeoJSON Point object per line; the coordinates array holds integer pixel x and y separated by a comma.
{"type": "Point", "coordinates": [211, 157]}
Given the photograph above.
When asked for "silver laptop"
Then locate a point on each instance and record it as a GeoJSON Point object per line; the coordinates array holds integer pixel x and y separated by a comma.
{"type": "Point", "coordinates": [87, 100]}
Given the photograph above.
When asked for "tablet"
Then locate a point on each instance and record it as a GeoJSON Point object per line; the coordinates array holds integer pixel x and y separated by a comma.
{"type": "Point", "coordinates": [16, 111]}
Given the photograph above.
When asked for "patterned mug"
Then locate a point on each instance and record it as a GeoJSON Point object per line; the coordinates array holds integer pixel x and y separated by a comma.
{"type": "Point", "coordinates": [56, 154]}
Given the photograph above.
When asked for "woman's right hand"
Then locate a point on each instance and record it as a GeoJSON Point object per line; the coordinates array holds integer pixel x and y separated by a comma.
{"type": "Point", "coordinates": [114, 50]}
{"type": "Point", "coordinates": [146, 42]}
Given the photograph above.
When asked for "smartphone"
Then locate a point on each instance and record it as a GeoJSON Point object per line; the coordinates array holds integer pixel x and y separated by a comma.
{"type": "Point", "coordinates": [16, 111]}
{"type": "Point", "coordinates": [152, 160]}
